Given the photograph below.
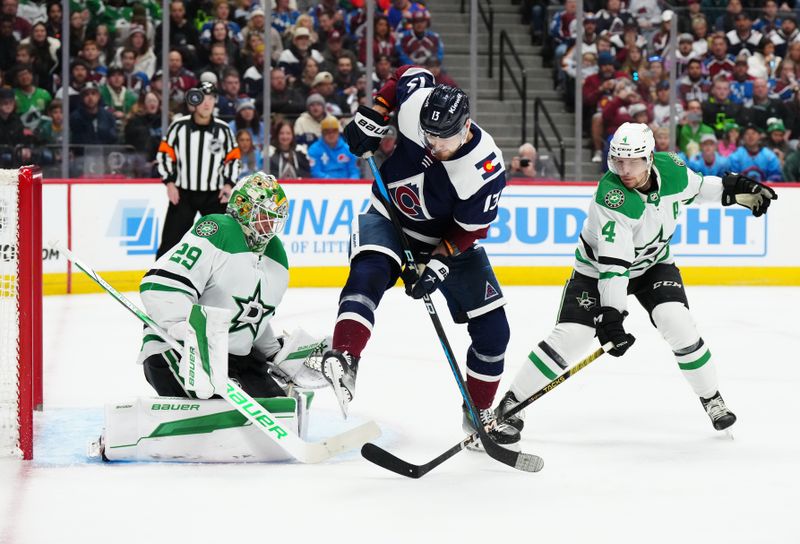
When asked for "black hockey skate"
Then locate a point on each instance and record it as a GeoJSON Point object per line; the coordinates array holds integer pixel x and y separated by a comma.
{"type": "Point", "coordinates": [508, 402]}
{"type": "Point", "coordinates": [721, 417]}
{"type": "Point", "coordinates": [340, 369]}
{"type": "Point", "coordinates": [505, 435]}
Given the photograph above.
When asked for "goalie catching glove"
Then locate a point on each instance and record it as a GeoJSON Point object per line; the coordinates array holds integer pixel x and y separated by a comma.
{"type": "Point", "coordinates": [746, 192]}
{"type": "Point", "coordinates": [364, 133]}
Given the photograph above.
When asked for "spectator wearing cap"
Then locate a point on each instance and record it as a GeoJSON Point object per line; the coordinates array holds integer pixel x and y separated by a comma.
{"type": "Point", "coordinates": [116, 97]}
{"type": "Point", "coordinates": [330, 156]}
{"type": "Point", "coordinates": [784, 35]}
{"type": "Point", "coordinates": [419, 44]}
{"type": "Point", "coordinates": [719, 108]}
{"type": "Point", "coordinates": [662, 106]}
{"type": "Point", "coordinates": [777, 138]}
{"type": "Point", "coordinates": [286, 159]}
{"type": "Point", "coordinates": [383, 42]}
{"type": "Point", "coordinates": [768, 20]}
{"type": "Point", "coordinates": [28, 96]}
{"type": "Point", "coordinates": [334, 50]}
{"type": "Point", "coordinates": [231, 94]}
{"type": "Point", "coordinates": [13, 135]}
{"type": "Point", "coordinates": [598, 89]}
{"type": "Point", "coordinates": [92, 124]}
{"type": "Point", "coordinates": [256, 24]}
{"type": "Point", "coordinates": [685, 52]}
{"type": "Point", "coordinates": [284, 17]}
{"type": "Point", "coordinates": [284, 99]}
{"type": "Point", "coordinates": [183, 35]}
{"type": "Point", "coordinates": [79, 75]}
{"type": "Point", "coordinates": [743, 37]}
{"type": "Point", "coordinates": [613, 17]}
{"type": "Point", "coordinates": [720, 61]}
{"type": "Point", "coordinates": [764, 63]}
{"type": "Point", "coordinates": [335, 103]}
{"type": "Point", "coordinates": [137, 41]}
{"type": "Point", "coordinates": [247, 119]}
{"type": "Point", "coordinates": [292, 57]}
{"type": "Point", "coordinates": [763, 106]}
{"type": "Point", "coordinates": [307, 127]}
{"type": "Point", "coordinates": [661, 38]}
{"type": "Point", "coordinates": [730, 139]}
{"type": "Point", "coordinates": [708, 161]}
{"type": "Point", "coordinates": [385, 150]}
{"type": "Point", "coordinates": [754, 160]}
{"type": "Point", "coordinates": [741, 83]}
{"type": "Point", "coordinates": [692, 129]}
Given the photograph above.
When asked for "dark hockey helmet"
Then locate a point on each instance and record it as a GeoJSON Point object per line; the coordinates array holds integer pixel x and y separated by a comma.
{"type": "Point", "coordinates": [445, 111]}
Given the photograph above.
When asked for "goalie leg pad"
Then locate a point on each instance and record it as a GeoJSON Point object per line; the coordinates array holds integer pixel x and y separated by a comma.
{"type": "Point", "coordinates": [183, 430]}
{"type": "Point", "coordinates": [676, 325]}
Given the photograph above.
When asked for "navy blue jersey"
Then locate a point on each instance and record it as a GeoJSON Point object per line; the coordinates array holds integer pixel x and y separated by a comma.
{"type": "Point", "coordinates": [437, 198]}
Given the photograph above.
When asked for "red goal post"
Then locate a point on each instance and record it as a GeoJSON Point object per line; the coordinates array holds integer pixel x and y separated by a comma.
{"type": "Point", "coordinates": [20, 308]}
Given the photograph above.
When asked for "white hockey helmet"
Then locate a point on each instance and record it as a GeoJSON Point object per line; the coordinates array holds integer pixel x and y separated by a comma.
{"type": "Point", "coordinates": [630, 141]}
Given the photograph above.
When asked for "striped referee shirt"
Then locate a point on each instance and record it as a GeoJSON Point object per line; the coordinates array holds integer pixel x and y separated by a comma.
{"type": "Point", "coordinates": [199, 157]}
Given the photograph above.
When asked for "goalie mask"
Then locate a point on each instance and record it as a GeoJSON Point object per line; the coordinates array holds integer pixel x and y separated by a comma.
{"type": "Point", "coordinates": [631, 141]}
{"type": "Point", "coordinates": [260, 206]}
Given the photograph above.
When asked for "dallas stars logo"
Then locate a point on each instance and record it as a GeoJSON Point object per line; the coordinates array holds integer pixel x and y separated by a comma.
{"type": "Point", "coordinates": [252, 311]}
{"type": "Point", "coordinates": [206, 229]}
{"type": "Point", "coordinates": [585, 301]}
{"type": "Point", "coordinates": [614, 198]}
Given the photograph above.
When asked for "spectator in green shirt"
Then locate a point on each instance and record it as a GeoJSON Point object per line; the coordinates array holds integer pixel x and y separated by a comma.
{"type": "Point", "coordinates": [28, 96]}
{"type": "Point", "coordinates": [693, 128]}
{"type": "Point", "coordinates": [117, 98]}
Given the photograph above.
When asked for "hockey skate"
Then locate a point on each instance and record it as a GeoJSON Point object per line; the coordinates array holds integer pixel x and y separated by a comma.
{"type": "Point", "coordinates": [505, 435]}
{"type": "Point", "coordinates": [508, 402]}
{"type": "Point", "coordinates": [721, 416]}
{"type": "Point", "coordinates": [340, 369]}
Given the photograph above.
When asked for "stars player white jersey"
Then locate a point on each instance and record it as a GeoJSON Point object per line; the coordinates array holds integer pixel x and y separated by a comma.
{"type": "Point", "coordinates": [627, 232]}
{"type": "Point", "coordinates": [212, 265]}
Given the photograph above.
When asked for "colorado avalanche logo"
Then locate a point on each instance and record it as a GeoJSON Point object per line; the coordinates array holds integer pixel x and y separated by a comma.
{"type": "Point", "coordinates": [406, 198]}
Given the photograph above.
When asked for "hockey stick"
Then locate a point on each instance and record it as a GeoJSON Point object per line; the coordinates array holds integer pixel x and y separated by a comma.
{"type": "Point", "coordinates": [521, 461]}
{"type": "Point", "coordinates": [383, 458]}
{"type": "Point", "coordinates": [260, 417]}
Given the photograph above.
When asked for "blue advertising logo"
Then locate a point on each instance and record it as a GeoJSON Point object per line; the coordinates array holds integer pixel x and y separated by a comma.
{"type": "Point", "coordinates": [136, 225]}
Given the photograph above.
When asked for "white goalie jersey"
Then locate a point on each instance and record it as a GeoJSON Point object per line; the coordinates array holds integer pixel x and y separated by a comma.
{"type": "Point", "coordinates": [627, 232]}
{"type": "Point", "coordinates": [212, 265]}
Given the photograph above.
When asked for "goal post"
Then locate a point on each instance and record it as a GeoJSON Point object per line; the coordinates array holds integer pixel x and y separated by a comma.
{"type": "Point", "coordinates": [20, 308]}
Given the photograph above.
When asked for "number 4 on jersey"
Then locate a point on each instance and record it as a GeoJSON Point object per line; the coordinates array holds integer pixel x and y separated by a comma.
{"type": "Point", "coordinates": [608, 231]}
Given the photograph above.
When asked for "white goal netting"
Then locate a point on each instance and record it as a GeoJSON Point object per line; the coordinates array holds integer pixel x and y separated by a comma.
{"type": "Point", "coordinates": [9, 315]}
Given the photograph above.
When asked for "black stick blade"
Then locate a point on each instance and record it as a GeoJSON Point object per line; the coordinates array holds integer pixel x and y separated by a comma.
{"type": "Point", "coordinates": [382, 458]}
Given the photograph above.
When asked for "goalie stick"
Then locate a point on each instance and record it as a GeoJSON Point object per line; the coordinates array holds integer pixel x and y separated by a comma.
{"type": "Point", "coordinates": [519, 460]}
{"type": "Point", "coordinates": [384, 459]}
{"type": "Point", "coordinates": [260, 417]}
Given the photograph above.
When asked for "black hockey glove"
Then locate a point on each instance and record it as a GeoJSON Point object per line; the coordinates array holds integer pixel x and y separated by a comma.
{"type": "Point", "coordinates": [364, 133]}
{"type": "Point", "coordinates": [432, 275]}
{"type": "Point", "coordinates": [608, 325]}
{"type": "Point", "coordinates": [746, 192]}
{"type": "Point", "coordinates": [410, 277]}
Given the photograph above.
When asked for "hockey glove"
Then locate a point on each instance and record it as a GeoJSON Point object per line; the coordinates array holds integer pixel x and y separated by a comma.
{"type": "Point", "coordinates": [363, 135]}
{"type": "Point", "coordinates": [432, 275]}
{"type": "Point", "coordinates": [746, 192]}
{"type": "Point", "coordinates": [410, 276]}
{"type": "Point", "coordinates": [608, 324]}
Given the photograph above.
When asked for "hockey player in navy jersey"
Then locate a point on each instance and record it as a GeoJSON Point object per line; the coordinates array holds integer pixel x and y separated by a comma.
{"type": "Point", "coordinates": [444, 179]}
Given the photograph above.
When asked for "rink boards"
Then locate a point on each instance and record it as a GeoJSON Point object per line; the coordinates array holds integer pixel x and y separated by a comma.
{"type": "Point", "coordinates": [115, 225]}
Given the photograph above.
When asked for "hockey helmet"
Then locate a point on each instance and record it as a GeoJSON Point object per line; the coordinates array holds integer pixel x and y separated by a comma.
{"type": "Point", "coordinates": [260, 206]}
{"type": "Point", "coordinates": [631, 140]}
{"type": "Point", "coordinates": [445, 112]}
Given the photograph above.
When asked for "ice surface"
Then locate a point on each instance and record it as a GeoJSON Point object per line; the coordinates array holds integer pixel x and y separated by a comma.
{"type": "Point", "coordinates": [629, 454]}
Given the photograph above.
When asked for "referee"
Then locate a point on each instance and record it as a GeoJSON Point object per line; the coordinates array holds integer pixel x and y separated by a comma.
{"type": "Point", "coordinates": [199, 162]}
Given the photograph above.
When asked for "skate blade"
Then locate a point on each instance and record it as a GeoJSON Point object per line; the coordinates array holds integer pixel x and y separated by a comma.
{"type": "Point", "coordinates": [728, 434]}
{"type": "Point", "coordinates": [335, 374]}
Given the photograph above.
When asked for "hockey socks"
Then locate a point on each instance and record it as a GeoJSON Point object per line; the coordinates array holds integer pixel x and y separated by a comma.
{"type": "Point", "coordinates": [486, 355]}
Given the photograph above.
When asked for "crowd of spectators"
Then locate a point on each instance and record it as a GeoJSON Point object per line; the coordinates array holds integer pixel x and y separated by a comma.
{"type": "Point", "coordinates": [737, 65]}
{"type": "Point", "coordinates": [317, 79]}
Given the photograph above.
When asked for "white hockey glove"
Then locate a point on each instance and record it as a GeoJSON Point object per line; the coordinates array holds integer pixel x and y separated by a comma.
{"type": "Point", "coordinates": [299, 361]}
{"type": "Point", "coordinates": [204, 363]}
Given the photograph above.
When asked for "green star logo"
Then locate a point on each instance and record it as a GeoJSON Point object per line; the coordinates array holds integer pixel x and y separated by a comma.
{"type": "Point", "coordinates": [252, 311]}
{"type": "Point", "coordinates": [206, 229]}
{"type": "Point", "coordinates": [585, 301]}
{"type": "Point", "coordinates": [625, 140]}
{"type": "Point", "coordinates": [614, 198]}
{"type": "Point", "coordinates": [656, 250]}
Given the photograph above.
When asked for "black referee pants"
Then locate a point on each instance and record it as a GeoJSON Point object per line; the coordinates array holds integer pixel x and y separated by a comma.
{"type": "Point", "coordinates": [181, 216]}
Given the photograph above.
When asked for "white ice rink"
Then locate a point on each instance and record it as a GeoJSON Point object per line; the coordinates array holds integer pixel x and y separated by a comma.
{"type": "Point", "coordinates": [630, 456]}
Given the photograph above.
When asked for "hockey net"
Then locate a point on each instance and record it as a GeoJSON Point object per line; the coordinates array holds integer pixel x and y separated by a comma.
{"type": "Point", "coordinates": [20, 309]}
